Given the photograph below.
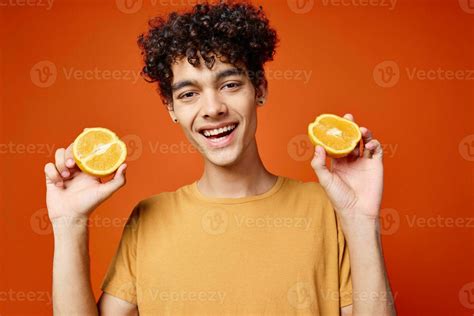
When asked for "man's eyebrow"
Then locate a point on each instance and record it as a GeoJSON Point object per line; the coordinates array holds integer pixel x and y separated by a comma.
{"type": "Point", "coordinates": [180, 84]}
{"type": "Point", "coordinates": [220, 75]}
{"type": "Point", "coordinates": [229, 72]}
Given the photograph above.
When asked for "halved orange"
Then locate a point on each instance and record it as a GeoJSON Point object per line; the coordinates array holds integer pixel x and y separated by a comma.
{"type": "Point", "coordinates": [337, 135]}
{"type": "Point", "coordinates": [98, 151]}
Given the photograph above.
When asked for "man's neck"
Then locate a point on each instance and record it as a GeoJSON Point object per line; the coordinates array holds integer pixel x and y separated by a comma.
{"type": "Point", "coordinates": [248, 177]}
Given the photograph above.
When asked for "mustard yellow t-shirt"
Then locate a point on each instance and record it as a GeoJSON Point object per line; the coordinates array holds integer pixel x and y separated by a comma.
{"type": "Point", "coordinates": [278, 253]}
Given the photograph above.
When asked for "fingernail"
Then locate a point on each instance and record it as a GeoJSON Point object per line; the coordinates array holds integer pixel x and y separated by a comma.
{"type": "Point", "coordinates": [70, 162]}
{"type": "Point", "coordinates": [65, 173]}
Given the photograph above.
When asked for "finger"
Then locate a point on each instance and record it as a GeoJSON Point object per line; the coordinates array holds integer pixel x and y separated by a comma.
{"type": "Point", "coordinates": [356, 152]}
{"type": "Point", "coordinates": [366, 134]}
{"type": "Point", "coordinates": [118, 181]}
{"type": "Point", "coordinates": [373, 149]}
{"type": "Point", "coordinates": [59, 157]}
{"type": "Point", "coordinates": [349, 117]}
{"type": "Point", "coordinates": [319, 165]}
{"type": "Point", "coordinates": [70, 163]}
{"type": "Point", "coordinates": [69, 158]}
{"type": "Point", "coordinates": [52, 175]}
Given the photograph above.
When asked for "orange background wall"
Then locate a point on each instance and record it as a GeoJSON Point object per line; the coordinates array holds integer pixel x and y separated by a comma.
{"type": "Point", "coordinates": [343, 48]}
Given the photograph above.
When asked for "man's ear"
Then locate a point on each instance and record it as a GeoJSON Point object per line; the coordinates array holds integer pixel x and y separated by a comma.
{"type": "Point", "coordinates": [261, 93]}
{"type": "Point", "coordinates": [171, 113]}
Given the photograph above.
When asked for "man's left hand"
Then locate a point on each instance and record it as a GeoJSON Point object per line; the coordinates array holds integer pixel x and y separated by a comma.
{"type": "Point", "coordinates": [353, 183]}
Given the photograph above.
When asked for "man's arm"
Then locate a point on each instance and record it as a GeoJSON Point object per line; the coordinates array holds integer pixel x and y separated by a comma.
{"type": "Point", "coordinates": [354, 184]}
{"type": "Point", "coordinates": [370, 287]}
{"type": "Point", "coordinates": [71, 196]}
{"type": "Point", "coordinates": [72, 291]}
{"type": "Point", "coordinates": [346, 310]}
{"type": "Point", "coordinates": [110, 306]}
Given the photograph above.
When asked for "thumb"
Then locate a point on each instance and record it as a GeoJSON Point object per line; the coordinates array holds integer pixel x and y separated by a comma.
{"type": "Point", "coordinates": [118, 181]}
{"type": "Point", "coordinates": [319, 165]}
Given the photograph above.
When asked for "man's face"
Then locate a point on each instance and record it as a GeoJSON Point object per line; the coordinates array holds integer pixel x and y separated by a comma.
{"type": "Point", "coordinates": [216, 109]}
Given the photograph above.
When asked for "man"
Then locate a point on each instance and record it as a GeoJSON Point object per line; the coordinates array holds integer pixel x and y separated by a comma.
{"type": "Point", "coordinates": [240, 240]}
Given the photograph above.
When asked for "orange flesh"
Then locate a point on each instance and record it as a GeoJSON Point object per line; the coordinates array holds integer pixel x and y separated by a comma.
{"type": "Point", "coordinates": [91, 141]}
{"type": "Point", "coordinates": [335, 133]}
{"type": "Point", "coordinates": [105, 160]}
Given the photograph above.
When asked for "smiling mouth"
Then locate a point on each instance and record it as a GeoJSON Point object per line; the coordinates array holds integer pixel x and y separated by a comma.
{"type": "Point", "coordinates": [215, 136]}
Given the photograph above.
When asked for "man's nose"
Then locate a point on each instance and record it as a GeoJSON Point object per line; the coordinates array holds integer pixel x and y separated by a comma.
{"type": "Point", "coordinates": [213, 106]}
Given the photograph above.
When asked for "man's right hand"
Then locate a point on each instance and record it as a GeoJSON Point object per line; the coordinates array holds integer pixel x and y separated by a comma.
{"type": "Point", "coordinates": [73, 193]}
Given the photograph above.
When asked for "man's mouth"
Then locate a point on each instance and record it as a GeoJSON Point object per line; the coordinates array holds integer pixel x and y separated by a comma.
{"type": "Point", "coordinates": [219, 137]}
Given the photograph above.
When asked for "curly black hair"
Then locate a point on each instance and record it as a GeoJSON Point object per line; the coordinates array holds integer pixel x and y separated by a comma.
{"type": "Point", "coordinates": [236, 32]}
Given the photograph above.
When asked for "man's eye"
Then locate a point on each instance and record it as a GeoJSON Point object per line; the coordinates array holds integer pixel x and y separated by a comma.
{"type": "Point", "coordinates": [232, 85]}
{"type": "Point", "coordinates": [186, 95]}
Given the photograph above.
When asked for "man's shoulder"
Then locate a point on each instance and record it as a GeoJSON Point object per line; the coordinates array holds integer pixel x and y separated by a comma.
{"type": "Point", "coordinates": [296, 185]}
{"type": "Point", "coordinates": [163, 198]}
{"type": "Point", "coordinates": [311, 195]}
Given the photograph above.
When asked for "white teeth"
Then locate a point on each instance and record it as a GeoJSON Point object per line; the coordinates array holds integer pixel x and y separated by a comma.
{"type": "Point", "coordinates": [216, 140]}
{"type": "Point", "coordinates": [218, 130]}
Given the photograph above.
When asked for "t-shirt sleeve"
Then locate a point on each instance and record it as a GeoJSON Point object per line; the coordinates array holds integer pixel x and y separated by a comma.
{"type": "Point", "coordinates": [120, 278]}
{"type": "Point", "coordinates": [345, 282]}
